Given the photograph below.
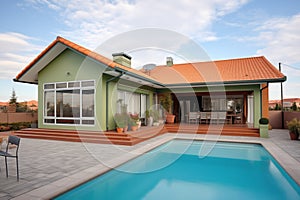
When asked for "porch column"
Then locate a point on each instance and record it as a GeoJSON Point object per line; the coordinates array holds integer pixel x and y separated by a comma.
{"type": "Point", "coordinates": [265, 100]}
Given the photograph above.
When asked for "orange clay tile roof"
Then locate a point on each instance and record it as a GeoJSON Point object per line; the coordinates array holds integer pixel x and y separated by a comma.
{"type": "Point", "coordinates": [233, 70]}
{"type": "Point", "coordinates": [85, 52]}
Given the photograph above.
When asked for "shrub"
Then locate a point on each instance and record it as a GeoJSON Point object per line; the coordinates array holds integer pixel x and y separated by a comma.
{"type": "Point", "coordinates": [294, 125]}
{"type": "Point", "coordinates": [263, 121]}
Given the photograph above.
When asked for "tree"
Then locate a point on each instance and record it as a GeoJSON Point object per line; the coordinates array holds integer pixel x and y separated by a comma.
{"type": "Point", "coordinates": [13, 98]}
{"type": "Point", "coordinates": [294, 106]}
{"type": "Point", "coordinates": [277, 107]}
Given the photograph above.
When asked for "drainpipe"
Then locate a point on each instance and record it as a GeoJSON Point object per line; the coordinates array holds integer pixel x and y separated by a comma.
{"type": "Point", "coordinates": [281, 96]}
{"type": "Point", "coordinates": [261, 98]}
{"type": "Point", "coordinates": [107, 84]}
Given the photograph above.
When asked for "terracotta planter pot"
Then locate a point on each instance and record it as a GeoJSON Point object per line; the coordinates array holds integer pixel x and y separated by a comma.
{"type": "Point", "coordinates": [125, 129]}
{"type": "Point", "coordinates": [120, 130]}
{"type": "Point", "coordinates": [294, 136]}
{"type": "Point", "coordinates": [170, 119]}
{"type": "Point", "coordinates": [134, 128]}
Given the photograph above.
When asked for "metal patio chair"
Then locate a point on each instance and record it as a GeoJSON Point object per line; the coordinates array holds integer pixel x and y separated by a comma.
{"type": "Point", "coordinates": [12, 140]}
{"type": "Point", "coordinates": [193, 117]}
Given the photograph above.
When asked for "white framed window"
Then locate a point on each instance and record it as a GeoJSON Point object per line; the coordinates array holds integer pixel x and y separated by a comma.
{"type": "Point", "coordinates": [136, 102]}
{"type": "Point", "coordinates": [69, 103]}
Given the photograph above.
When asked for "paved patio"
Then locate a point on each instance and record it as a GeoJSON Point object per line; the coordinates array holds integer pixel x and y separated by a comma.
{"type": "Point", "coordinates": [43, 162]}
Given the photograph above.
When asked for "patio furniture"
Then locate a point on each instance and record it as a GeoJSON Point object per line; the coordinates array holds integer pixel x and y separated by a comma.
{"type": "Point", "coordinates": [12, 140]}
{"type": "Point", "coordinates": [193, 117]}
{"type": "Point", "coordinates": [204, 117]}
{"type": "Point", "coordinates": [223, 118]}
{"type": "Point", "coordinates": [214, 117]}
{"type": "Point", "coordinates": [238, 119]}
{"type": "Point", "coordinates": [231, 117]}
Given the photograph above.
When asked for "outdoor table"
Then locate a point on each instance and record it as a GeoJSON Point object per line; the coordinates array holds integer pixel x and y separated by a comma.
{"type": "Point", "coordinates": [232, 116]}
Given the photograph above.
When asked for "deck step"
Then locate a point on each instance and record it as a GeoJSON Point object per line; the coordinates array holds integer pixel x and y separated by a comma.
{"type": "Point", "coordinates": [132, 137]}
{"type": "Point", "coordinates": [129, 138]}
{"type": "Point", "coordinates": [215, 129]}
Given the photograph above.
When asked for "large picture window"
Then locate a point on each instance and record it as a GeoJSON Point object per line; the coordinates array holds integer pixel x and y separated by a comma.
{"type": "Point", "coordinates": [69, 103]}
{"type": "Point", "coordinates": [136, 103]}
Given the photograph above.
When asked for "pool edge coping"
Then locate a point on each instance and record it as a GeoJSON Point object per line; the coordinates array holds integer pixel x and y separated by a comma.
{"type": "Point", "coordinates": [287, 162]}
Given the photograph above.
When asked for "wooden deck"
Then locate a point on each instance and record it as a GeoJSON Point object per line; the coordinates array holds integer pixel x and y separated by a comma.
{"type": "Point", "coordinates": [232, 130]}
{"type": "Point", "coordinates": [133, 137]}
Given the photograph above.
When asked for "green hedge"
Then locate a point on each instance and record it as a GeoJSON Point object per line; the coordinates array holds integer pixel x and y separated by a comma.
{"type": "Point", "coordinates": [14, 126]}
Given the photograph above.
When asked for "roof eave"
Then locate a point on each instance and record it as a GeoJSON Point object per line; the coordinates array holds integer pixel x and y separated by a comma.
{"type": "Point", "coordinates": [63, 43]}
{"type": "Point", "coordinates": [19, 81]}
{"type": "Point", "coordinates": [227, 83]}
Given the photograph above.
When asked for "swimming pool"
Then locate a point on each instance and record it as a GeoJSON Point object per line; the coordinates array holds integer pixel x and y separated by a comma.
{"type": "Point", "coordinates": [229, 171]}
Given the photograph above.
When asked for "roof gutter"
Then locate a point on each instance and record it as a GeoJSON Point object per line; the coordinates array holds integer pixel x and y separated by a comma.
{"type": "Point", "coordinates": [217, 83]}
{"type": "Point", "coordinates": [139, 77]}
{"type": "Point", "coordinates": [17, 80]}
{"type": "Point", "coordinates": [107, 84]}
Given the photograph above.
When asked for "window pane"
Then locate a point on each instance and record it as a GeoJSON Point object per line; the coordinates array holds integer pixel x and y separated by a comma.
{"type": "Point", "coordinates": [133, 102]}
{"type": "Point", "coordinates": [67, 121]}
{"type": "Point", "coordinates": [74, 84]}
{"type": "Point", "coordinates": [48, 86]}
{"type": "Point", "coordinates": [143, 105]}
{"type": "Point", "coordinates": [49, 121]}
{"type": "Point", "coordinates": [68, 103]}
{"type": "Point", "coordinates": [120, 101]}
{"type": "Point", "coordinates": [49, 103]}
{"type": "Point", "coordinates": [61, 85]}
{"type": "Point", "coordinates": [90, 122]}
{"type": "Point", "coordinates": [88, 103]}
{"type": "Point", "coordinates": [87, 83]}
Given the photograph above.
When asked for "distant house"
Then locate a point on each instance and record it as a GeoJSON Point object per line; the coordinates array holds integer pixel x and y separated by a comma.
{"type": "Point", "coordinates": [81, 89]}
{"type": "Point", "coordinates": [287, 103]}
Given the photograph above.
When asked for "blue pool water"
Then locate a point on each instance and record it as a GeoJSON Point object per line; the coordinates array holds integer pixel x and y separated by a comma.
{"type": "Point", "coordinates": [229, 171]}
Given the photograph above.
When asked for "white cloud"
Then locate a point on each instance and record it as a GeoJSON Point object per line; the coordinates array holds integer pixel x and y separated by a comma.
{"type": "Point", "coordinates": [16, 51]}
{"type": "Point", "coordinates": [94, 21]}
{"type": "Point", "coordinates": [280, 38]}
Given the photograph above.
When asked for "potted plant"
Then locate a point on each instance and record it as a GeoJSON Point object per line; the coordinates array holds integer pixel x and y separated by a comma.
{"type": "Point", "coordinates": [120, 122]}
{"type": "Point", "coordinates": [167, 103]}
{"type": "Point", "coordinates": [263, 127]}
{"type": "Point", "coordinates": [133, 124]}
{"type": "Point", "coordinates": [294, 128]}
{"type": "Point", "coordinates": [136, 118]}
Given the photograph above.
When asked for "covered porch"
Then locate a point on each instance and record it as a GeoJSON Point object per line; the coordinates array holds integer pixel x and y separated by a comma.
{"type": "Point", "coordinates": [229, 108]}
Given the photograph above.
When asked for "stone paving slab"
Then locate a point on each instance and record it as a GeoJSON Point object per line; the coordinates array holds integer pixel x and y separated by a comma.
{"type": "Point", "coordinates": [44, 162]}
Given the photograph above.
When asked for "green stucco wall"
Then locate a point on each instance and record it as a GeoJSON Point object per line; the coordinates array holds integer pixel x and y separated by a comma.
{"type": "Point", "coordinates": [71, 66]}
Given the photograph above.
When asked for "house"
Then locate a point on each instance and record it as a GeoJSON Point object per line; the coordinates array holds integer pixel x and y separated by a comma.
{"type": "Point", "coordinates": [287, 103]}
{"type": "Point", "coordinates": [81, 89]}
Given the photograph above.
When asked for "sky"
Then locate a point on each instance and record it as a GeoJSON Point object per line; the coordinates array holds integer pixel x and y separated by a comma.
{"type": "Point", "coordinates": [224, 29]}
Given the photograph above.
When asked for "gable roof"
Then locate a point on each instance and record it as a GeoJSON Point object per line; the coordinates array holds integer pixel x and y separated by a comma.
{"type": "Point", "coordinates": [233, 71]}
{"type": "Point", "coordinates": [30, 72]}
{"type": "Point", "coordinates": [241, 70]}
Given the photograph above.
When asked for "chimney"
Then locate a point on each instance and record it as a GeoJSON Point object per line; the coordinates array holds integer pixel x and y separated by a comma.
{"type": "Point", "coordinates": [122, 59]}
{"type": "Point", "coordinates": [169, 61]}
